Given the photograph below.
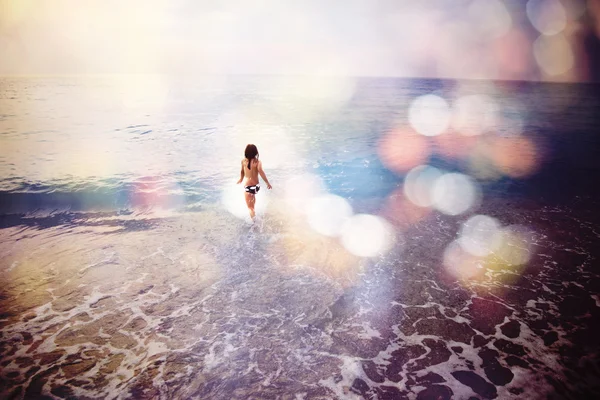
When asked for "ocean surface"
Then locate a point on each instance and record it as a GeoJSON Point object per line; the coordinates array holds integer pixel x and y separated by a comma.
{"type": "Point", "coordinates": [423, 238]}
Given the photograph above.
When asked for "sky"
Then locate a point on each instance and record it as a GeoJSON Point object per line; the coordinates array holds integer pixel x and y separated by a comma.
{"type": "Point", "coordinates": [475, 39]}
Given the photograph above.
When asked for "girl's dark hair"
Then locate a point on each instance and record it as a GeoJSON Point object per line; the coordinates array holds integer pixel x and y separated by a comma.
{"type": "Point", "coordinates": [250, 153]}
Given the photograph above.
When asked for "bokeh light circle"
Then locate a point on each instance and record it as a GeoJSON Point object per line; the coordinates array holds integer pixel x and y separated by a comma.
{"type": "Point", "coordinates": [474, 114]}
{"type": "Point", "coordinates": [327, 214]}
{"type": "Point", "coordinates": [512, 53]}
{"type": "Point", "coordinates": [480, 235]}
{"type": "Point", "coordinates": [403, 149]}
{"type": "Point", "coordinates": [366, 235]}
{"type": "Point", "coordinates": [299, 190]}
{"type": "Point", "coordinates": [516, 248]}
{"type": "Point", "coordinates": [402, 212]}
{"type": "Point", "coordinates": [460, 263]}
{"type": "Point", "coordinates": [455, 193]}
{"type": "Point", "coordinates": [553, 54]}
{"type": "Point", "coordinates": [418, 185]}
{"type": "Point", "coordinates": [454, 145]}
{"type": "Point", "coordinates": [547, 16]}
{"type": "Point", "coordinates": [517, 157]}
{"type": "Point", "coordinates": [429, 115]}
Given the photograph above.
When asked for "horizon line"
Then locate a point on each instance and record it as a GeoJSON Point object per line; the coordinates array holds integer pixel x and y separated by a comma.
{"type": "Point", "coordinates": [209, 74]}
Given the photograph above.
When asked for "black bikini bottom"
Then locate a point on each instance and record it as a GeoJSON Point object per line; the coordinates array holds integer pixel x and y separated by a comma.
{"type": "Point", "coordinates": [252, 189]}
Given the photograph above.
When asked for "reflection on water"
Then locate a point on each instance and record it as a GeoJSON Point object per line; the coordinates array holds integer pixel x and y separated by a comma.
{"type": "Point", "coordinates": [415, 241]}
{"type": "Point", "coordinates": [201, 305]}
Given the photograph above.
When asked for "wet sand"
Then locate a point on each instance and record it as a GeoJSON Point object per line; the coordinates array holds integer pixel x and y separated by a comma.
{"type": "Point", "coordinates": [199, 305]}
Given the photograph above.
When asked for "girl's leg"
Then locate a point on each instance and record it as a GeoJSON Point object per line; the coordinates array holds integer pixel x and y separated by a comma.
{"type": "Point", "coordinates": [250, 200]}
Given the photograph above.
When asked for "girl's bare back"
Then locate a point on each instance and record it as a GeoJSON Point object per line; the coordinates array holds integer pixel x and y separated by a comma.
{"type": "Point", "coordinates": [250, 172]}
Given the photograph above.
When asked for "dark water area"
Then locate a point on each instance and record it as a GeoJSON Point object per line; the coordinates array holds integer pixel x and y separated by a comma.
{"type": "Point", "coordinates": [572, 138]}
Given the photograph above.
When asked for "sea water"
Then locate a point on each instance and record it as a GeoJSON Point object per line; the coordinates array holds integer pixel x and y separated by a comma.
{"type": "Point", "coordinates": [130, 267]}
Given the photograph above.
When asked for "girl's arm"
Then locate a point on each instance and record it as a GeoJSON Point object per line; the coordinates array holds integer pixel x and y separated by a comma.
{"type": "Point", "coordinates": [263, 175]}
{"type": "Point", "coordinates": [241, 174]}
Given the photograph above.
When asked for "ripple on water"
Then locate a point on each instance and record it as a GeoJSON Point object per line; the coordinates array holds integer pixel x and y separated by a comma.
{"type": "Point", "coordinates": [201, 306]}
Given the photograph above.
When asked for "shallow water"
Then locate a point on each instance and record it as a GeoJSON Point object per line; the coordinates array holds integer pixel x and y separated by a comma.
{"type": "Point", "coordinates": [128, 272]}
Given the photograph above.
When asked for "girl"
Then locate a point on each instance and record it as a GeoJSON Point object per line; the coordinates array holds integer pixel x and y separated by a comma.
{"type": "Point", "coordinates": [251, 168]}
